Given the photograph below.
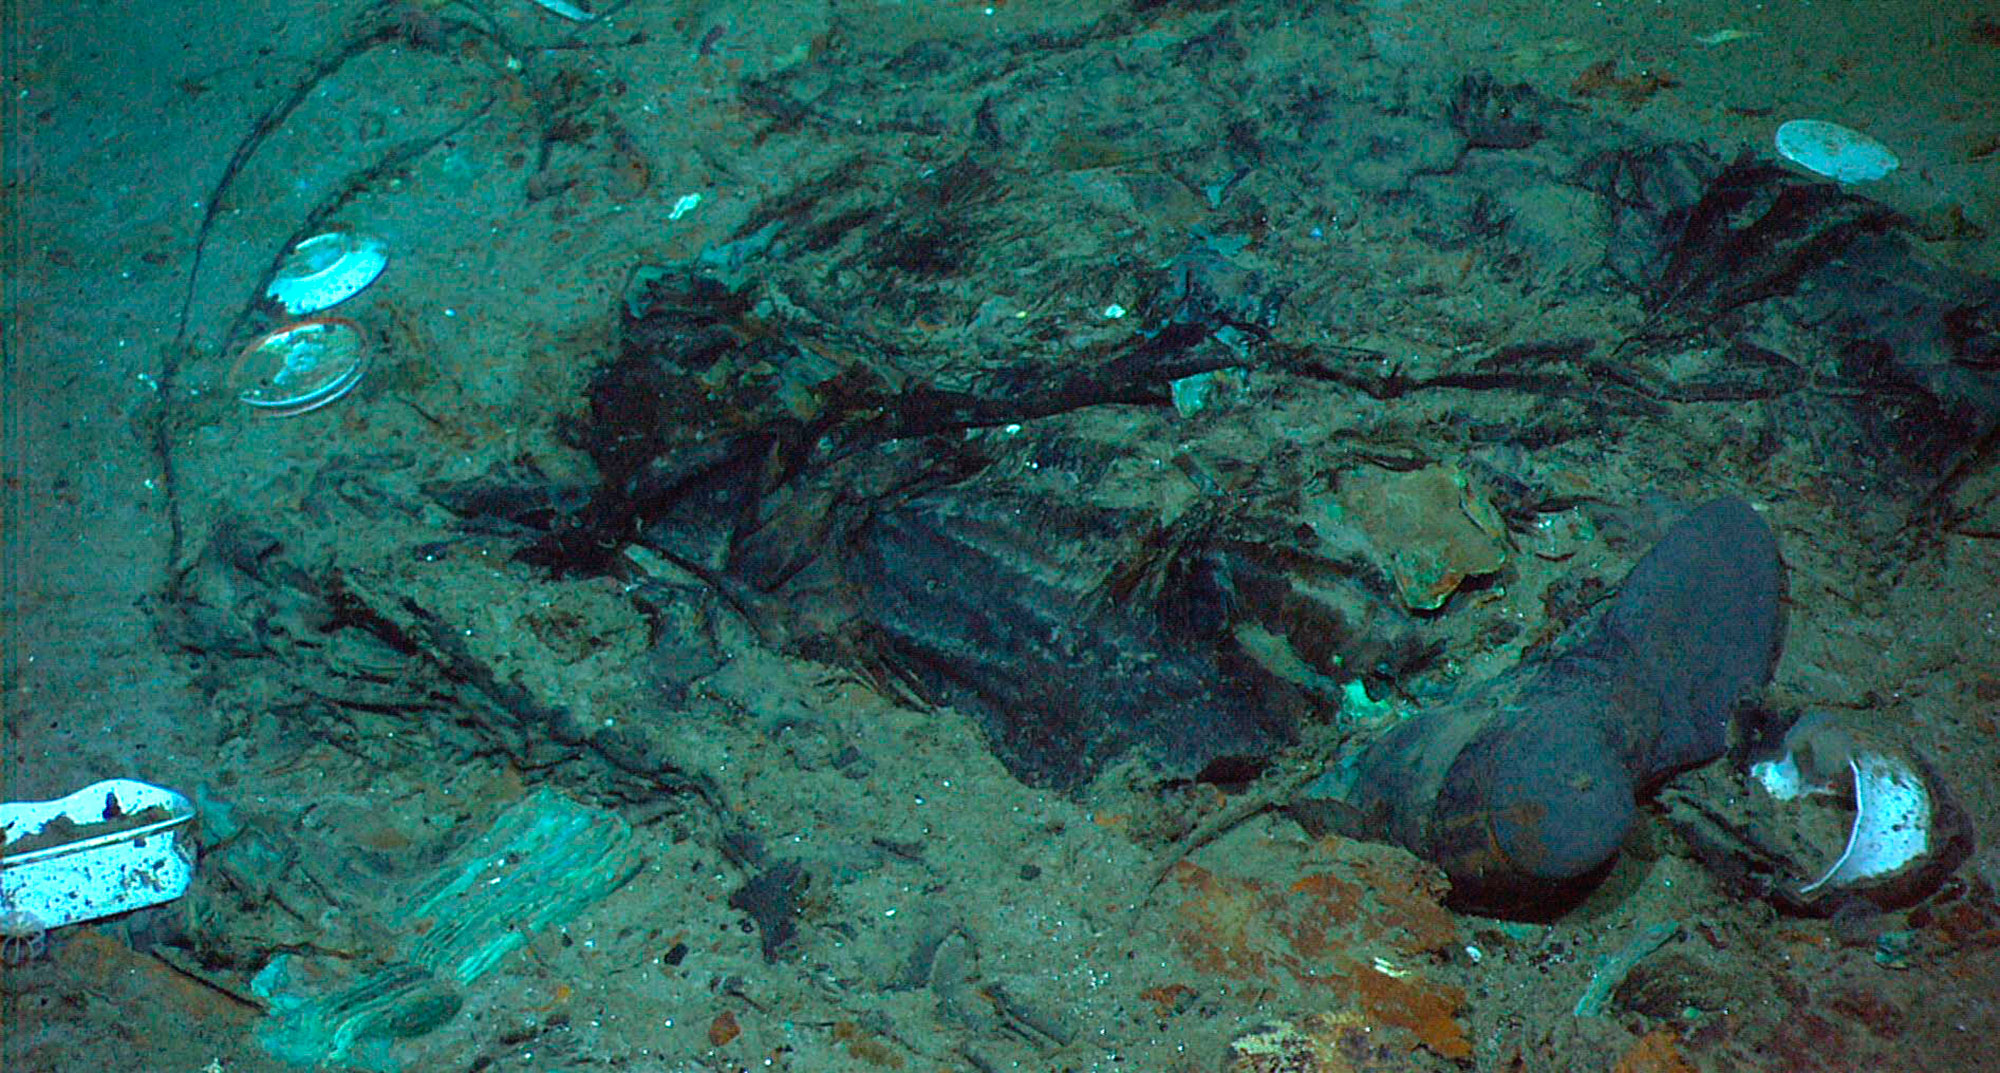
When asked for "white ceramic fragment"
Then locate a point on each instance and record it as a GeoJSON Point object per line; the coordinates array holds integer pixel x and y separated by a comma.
{"type": "Point", "coordinates": [1901, 823]}
{"type": "Point", "coordinates": [569, 11]}
{"type": "Point", "coordinates": [108, 848]}
{"type": "Point", "coordinates": [1892, 822]}
{"type": "Point", "coordinates": [1829, 149]}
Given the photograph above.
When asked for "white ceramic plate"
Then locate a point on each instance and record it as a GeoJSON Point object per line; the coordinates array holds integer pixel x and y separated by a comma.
{"type": "Point", "coordinates": [301, 366]}
{"type": "Point", "coordinates": [326, 270]}
{"type": "Point", "coordinates": [1834, 151]}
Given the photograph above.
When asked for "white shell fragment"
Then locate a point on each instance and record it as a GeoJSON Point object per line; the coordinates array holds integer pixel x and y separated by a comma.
{"type": "Point", "coordinates": [301, 366]}
{"type": "Point", "coordinates": [1834, 151]}
{"type": "Point", "coordinates": [326, 270]}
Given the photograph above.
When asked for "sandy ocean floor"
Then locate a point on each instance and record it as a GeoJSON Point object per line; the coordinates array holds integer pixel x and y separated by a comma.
{"type": "Point", "coordinates": [979, 924]}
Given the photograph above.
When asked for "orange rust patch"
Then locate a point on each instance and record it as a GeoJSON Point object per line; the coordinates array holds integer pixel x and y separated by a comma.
{"type": "Point", "coordinates": [1168, 999]}
{"type": "Point", "coordinates": [1112, 821]}
{"type": "Point", "coordinates": [1321, 934]}
{"type": "Point", "coordinates": [1409, 898]}
{"type": "Point", "coordinates": [1428, 1011]}
{"type": "Point", "coordinates": [562, 995]}
{"type": "Point", "coordinates": [146, 990]}
{"type": "Point", "coordinates": [1656, 1052]}
{"type": "Point", "coordinates": [1225, 928]}
{"type": "Point", "coordinates": [865, 1047]}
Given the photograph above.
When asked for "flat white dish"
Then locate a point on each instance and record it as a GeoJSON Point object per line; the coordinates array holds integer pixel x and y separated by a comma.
{"type": "Point", "coordinates": [327, 269]}
{"type": "Point", "coordinates": [302, 366]}
{"type": "Point", "coordinates": [1829, 149]}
